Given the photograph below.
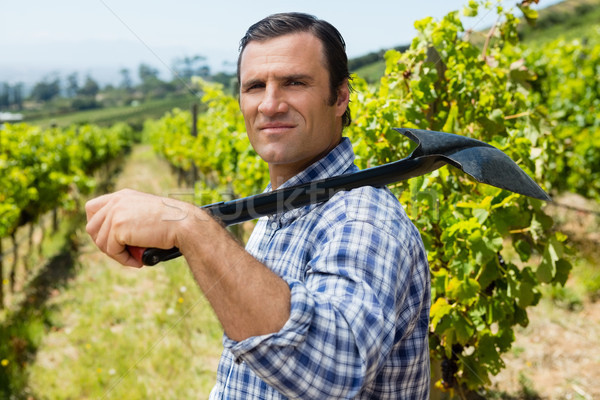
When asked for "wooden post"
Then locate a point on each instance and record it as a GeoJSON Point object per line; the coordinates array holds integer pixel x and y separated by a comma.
{"type": "Point", "coordinates": [436, 374]}
{"type": "Point", "coordinates": [194, 120]}
{"type": "Point", "coordinates": [55, 220]}
{"type": "Point", "coordinates": [1, 276]}
{"type": "Point", "coordinates": [12, 275]}
{"type": "Point", "coordinates": [194, 134]}
{"type": "Point", "coordinates": [30, 238]}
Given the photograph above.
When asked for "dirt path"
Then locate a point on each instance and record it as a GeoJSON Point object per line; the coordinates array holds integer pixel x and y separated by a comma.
{"type": "Point", "coordinates": [144, 171]}
{"type": "Point", "coordinates": [557, 356]}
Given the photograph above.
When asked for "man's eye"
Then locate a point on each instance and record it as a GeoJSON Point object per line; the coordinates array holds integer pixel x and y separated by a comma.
{"type": "Point", "coordinates": [296, 83]}
{"type": "Point", "coordinates": [254, 86]}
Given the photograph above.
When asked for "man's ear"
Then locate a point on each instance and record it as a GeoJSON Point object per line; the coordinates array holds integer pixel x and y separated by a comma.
{"type": "Point", "coordinates": [343, 98]}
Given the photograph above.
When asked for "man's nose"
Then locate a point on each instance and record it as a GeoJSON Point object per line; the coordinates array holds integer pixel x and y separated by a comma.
{"type": "Point", "coordinates": [273, 102]}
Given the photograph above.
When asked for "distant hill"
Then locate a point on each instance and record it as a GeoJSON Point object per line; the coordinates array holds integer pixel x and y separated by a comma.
{"type": "Point", "coordinates": [569, 19]}
{"type": "Point", "coordinates": [370, 66]}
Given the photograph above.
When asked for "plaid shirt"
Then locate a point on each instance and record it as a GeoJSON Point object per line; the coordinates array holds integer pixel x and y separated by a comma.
{"type": "Point", "coordinates": [360, 298]}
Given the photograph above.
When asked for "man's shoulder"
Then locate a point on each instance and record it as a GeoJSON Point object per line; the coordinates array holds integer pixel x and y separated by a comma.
{"type": "Point", "coordinates": [377, 206]}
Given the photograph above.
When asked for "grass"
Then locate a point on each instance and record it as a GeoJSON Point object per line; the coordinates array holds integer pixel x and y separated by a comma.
{"type": "Point", "coordinates": [23, 323]}
{"type": "Point", "coordinates": [115, 332]}
{"type": "Point", "coordinates": [120, 333]}
{"type": "Point", "coordinates": [372, 73]}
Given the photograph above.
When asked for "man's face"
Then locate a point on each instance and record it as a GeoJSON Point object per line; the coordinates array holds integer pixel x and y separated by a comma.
{"type": "Point", "coordinates": [285, 98]}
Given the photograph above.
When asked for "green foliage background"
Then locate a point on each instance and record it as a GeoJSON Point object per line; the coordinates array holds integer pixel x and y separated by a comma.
{"type": "Point", "coordinates": [41, 169]}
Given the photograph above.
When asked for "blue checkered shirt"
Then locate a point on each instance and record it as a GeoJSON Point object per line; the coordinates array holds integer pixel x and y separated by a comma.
{"type": "Point", "coordinates": [360, 300]}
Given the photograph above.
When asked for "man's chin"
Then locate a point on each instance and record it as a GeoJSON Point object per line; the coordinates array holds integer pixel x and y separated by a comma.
{"type": "Point", "coordinates": [275, 154]}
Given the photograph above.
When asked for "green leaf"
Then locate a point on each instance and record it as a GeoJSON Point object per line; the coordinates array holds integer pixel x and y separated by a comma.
{"type": "Point", "coordinates": [474, 374]}
{"type": "Point", "coordinates": [555, 250]}
{"type": "Point", "coordinates": [563, 268]}
{"type": "Point", "coordinates": [463, 226]}
{"type": "Point", "coordinates": [547, 269]}
{"type": "Point", "coordinates": [439, 280]}
{"type": "Point", "coordinates": [525, 295]}
{"type": "Point", "coordinates": [488, 354]}
{"type": "Point", "coordinates": [521, 317]}
{"type": "Point", "coordinates": [523, 248]}
{"type": "Point", "coordinates": [422, 24]}
{"type": "Point", "coordinates": [489, 273]}
{"type": "Point", "coordinates": [481, 215]}
{"type": "Point", "coordinates": [530, 14]}
{"type": "Point", "coordinates": [495, 242]}
{"type": "Point", "coordinates": [536, 228]}
{"type": "Point", "coordinates": [438, 310]}
{"type": "Point", "coordinates": [451, 121]}
{"type": "Point", "coordinates": [463, 329]}
{"type": "Point", "coordinates": [505, 337]}
{"type": "Point", "coordinates": [471, 9]}
{"type": "Point", "coordinates": [464, 291]}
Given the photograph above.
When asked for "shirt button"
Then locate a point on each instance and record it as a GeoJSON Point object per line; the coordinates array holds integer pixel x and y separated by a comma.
{"type": "Point", "coordinates": [274, 225]}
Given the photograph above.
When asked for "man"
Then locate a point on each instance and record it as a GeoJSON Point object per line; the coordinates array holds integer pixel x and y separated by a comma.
{"type": "Point", "coordinates": [327, 301]}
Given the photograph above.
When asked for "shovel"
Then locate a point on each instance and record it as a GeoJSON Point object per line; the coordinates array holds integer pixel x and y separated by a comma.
{"type": "Point", "coordinates": [483, 162]}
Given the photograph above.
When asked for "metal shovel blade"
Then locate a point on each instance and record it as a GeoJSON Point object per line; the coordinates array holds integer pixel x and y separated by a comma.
{"type": "Point", "coordinates": [483, 162]}
{"type": "Point", "coordinates": [478, 159]}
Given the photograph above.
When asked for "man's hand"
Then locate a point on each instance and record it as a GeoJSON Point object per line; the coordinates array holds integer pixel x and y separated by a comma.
{"type": "Point", "coordinates": [248, 298]}
{"type": "Point", "coordinates": [130, 218]}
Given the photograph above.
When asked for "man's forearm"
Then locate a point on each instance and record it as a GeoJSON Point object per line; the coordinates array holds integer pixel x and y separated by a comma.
{"type": "Point", "coordinates": [247, 297]}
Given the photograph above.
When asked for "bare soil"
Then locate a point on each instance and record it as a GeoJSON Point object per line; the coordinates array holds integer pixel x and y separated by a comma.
{"type": "Point", "coordinates": [557, 356]}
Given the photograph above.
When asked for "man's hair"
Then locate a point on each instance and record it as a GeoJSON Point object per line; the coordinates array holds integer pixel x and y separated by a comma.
{"type": "Point", "coordinates": [334, 47]}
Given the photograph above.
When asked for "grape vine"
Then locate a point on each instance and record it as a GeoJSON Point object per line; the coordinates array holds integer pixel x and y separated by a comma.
{"type": "Point", "coordinates": [41, 170]}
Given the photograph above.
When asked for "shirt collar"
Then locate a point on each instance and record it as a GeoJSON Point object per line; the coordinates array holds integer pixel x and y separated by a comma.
{"type": "Point", "coordinates": [336, 162]}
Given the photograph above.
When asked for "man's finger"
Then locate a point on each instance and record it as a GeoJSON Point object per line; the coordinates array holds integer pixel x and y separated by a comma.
{"type": "Point", "coordinates": [92, 206]}
{"type": "Point", "coordinates": [95, 222]}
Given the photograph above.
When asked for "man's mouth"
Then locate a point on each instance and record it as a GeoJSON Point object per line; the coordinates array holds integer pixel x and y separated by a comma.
{"type": "Point", "coordinates": [276, 127]}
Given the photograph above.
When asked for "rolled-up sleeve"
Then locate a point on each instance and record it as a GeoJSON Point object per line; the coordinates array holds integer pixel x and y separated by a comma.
{"type": "Point", "coordinates": [342, 320]}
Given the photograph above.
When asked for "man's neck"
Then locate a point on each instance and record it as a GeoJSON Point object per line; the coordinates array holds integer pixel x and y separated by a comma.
{"type": "Point", "coordinates": [281, 173]}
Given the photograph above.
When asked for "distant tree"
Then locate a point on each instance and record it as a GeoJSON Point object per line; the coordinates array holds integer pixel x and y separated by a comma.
{"type": "Point", "coordinates": [186, 67]}
{"type": "Point", "coordinates": [147, 73]}
{"type": "Point", "coordinates": [72, 85]}
{"type": "Point", "coordinates": [17, 98]}
{"type": "Point", "coordinates": [90, 88]}
{"type": "Point", "coordinates": [203, 71]}
{"type": "Point", "coordinates": [152, 86]}
{"type": "Point", "coordinates": [4, 95]}
{"type": "Point", "coordinates": [126, 82]}
{"type": "Point", "coordinates": [227, 80]}
{"type": "Point", "coordinates": [47, 89]}
{"type": "Point", "coordinates": [11, 96]}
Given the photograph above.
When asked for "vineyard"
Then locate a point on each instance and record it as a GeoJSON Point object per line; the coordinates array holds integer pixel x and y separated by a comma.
{"type": "Point", "coordinates": [492, 254]}
{"type": "Point", "coordinates": [44, 170]}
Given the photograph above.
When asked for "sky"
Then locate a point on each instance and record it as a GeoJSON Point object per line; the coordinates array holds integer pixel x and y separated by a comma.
{"type": "Point", "coordinates": [99, 37]}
